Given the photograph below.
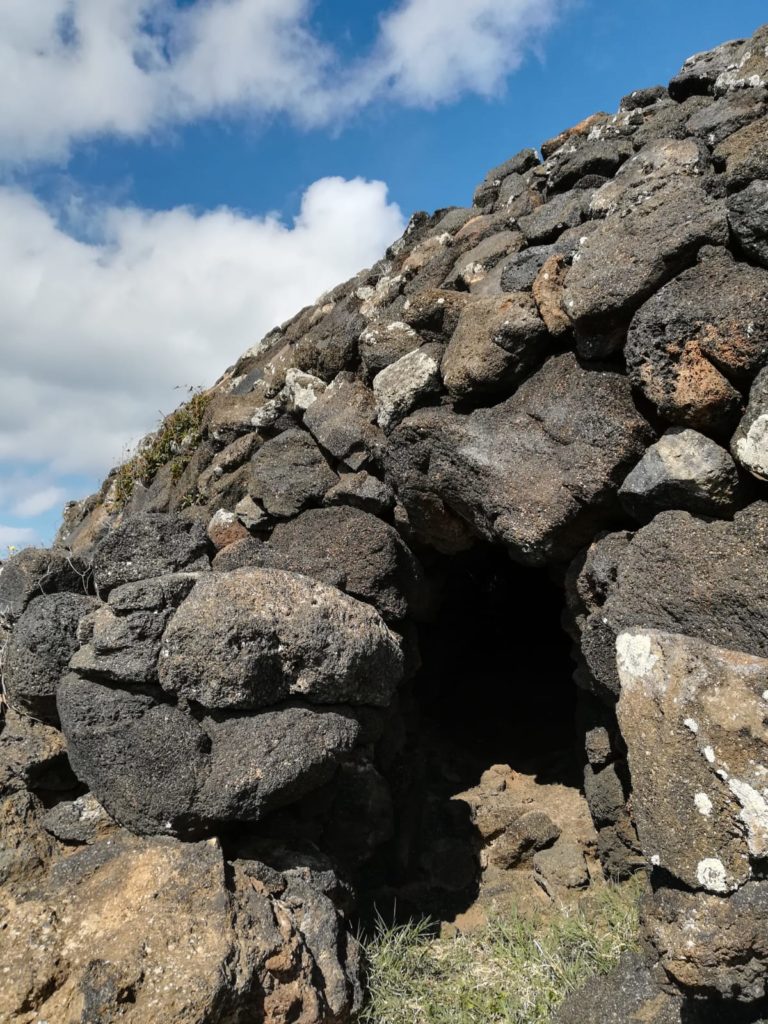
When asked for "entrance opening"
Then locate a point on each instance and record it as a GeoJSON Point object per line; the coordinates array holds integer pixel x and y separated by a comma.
{"type": "Point", "coordinates": [495, 688]}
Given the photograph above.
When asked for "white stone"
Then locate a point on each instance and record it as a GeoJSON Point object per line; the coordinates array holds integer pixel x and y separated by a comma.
{"type": "Point", "coordinates": [690, 724]}
{"type": "Point", "coordinates": [398, 387]}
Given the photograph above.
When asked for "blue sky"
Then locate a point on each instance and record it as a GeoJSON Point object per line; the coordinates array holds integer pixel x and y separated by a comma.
{"type": "Point", "coordinates": [177, 177]}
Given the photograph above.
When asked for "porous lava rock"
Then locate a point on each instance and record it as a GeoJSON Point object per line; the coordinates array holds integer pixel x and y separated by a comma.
{"type": "Point", "coordinates": [241, 703]}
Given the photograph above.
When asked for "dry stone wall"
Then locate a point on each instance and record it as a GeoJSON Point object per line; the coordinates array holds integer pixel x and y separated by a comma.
{"type": "Point", "coordinates": [572, 369]}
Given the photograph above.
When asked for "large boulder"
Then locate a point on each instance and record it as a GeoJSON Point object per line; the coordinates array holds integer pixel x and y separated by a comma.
{"type": "Point", "coordinates": [255, 637]}
{"type": "Point", "coordinates": [693, 719]}
{"type": "Point", "coordinates": [148, 930]}
{"type": "Point", "coordinates": [356, 552]}
{"type": "Point", "coordinates": [655, 235]}
{"type": "Point", "coordinates": [684, 575]}
{"type": "Point", "coordinates": [698, 337]}
{"type": "Point", "coordinates": [37, 655]}
{"type": "Point", "coordinates": [537, 473]}
{"type": "Point", "coordinates": [156, 769]}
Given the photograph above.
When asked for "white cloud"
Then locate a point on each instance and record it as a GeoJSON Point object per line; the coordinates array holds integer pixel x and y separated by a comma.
{"type": "Point", "coordinates": [74, 69]}
{"type": "Point", "coordinates": [15, 536]}
{"type": "Point", "coordinates": [96, 335]}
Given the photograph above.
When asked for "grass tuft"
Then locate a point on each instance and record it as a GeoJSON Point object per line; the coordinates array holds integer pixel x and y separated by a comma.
{"type": "Point", "coordinates": [513, 971]}
{"type": "Point", "coordinates": [174, 442]}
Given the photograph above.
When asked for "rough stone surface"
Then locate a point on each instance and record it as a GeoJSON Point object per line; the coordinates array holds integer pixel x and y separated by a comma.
{"type": "Point", "coordinates": [686, 575]}
{"type": "Point", "coordinates": [217, 952]}
{"type": "Point", "coordinates": [522, 377]}
{"type": "Point", "coordinates": [750, 442]}
{"type": "Point", "coordinates": [496, 341]}
{"type": "Point", "coordinates": [700, 72]}
{"type": "Point", "coordinates": [254, 637]}
{"type": "Point", "coordinates": [748, 220]}
{"type": "Point", "coordinates": [685, 470]}
{"type": "Point", "coordinates": [631, 255]}
{"type": "Point", "coordinates": [710, 945]}
{"type": "Point", "coordinates": [697, 336]}
{"type": "Point", "coordinates": [693, 719]}
{"type": "Point", "coordinates": [744, 154]}
{"type": "Point", "coordinates": [150, 544]}
{"type": "Point", "coordinates": [343, 422]}
{"type": "Point", "coordinates": [36, 571]}
{"type": "Point", "coordinates": [357, 553]}
{"type": "Point", "coordinates": [157, 770]}
{"type": "Point", "coordinates": [289, 473]}
{"type": "Point", "coordinates": [628, 995]}
{"type": "Point", "coordinates": [534, 472]}
{"type": "Point", "coordinates": [44, 640]}
{"type": "Point", "coordinates": [405, 384]}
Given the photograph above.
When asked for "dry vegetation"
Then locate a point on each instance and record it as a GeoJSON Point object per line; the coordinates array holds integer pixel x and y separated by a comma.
{"type": "Point", "coordinates": [174, 441]}
{"type": "Point", "coordinates": [514, 971]}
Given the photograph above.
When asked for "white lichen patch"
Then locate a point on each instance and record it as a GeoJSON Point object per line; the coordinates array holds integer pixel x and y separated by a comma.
{"type": "Point", "coordinates": [709, 754]}
{"type": "Point", "coordinates": [635, 658]}
{"type": "Point", "coordinates": [711, 875]}
{"type": "Point", "coordinates": [754, 814]}
{"type": "Point", "coordinates": [703, 804]}
{"type": "Point", "coordinates": [690, 724]}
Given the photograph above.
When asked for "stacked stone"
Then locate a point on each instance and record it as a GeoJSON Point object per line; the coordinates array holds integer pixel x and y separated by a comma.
{"type": "Point", "coordinates": [573, 369]}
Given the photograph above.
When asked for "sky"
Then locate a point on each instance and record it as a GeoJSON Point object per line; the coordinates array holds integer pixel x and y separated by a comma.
{"type": "Point", "coordinates": [178, 176]}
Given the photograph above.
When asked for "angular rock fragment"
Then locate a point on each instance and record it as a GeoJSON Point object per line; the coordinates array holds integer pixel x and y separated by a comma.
{"type": "Point", "coordinates": [384, 343]}
{"type": "Point", "coordinates": [496, 341]}
{"type": "Point", "coordinates": [537, 473]}
{"type": "Point", "coordinates": [699, 333]}
{"type": "Point", "coordinates": [403, 385]}
{"type": "Point", "coordinates": [363, 491]}
{"type": "Point", "coordinates": [123, 641]}
{"type": "Point", "coordinates": [709, 945]}
{"type": "Point", "coordinates": [700, 72]}
{"type": "Point", "coordinates": [627, 258]}
{"type": "Point", "coordinates": [289, 473]}
{"type": "Point", "coordinates": [255, 637]}
{"type": "Point", "coordinates": [343, 422]}
{"type": "Point", "coordinates": [44, 640]}
{"type": "Point", "coordinates": [149, 544]}
{"type": "Point", "coordinates": [686, 575]}
{"type": "Point", "coordinates": [744, 155]}
{"type": "Point", "coordinates": [686, 470]}
{"type": "Point", "coordinates": [548, 222]}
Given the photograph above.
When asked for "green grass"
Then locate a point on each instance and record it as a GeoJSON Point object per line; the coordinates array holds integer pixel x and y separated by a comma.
{"type": "Point", "coordinates": [514, 971]}
{"type": "Point", "coordinates": [174, 442]}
